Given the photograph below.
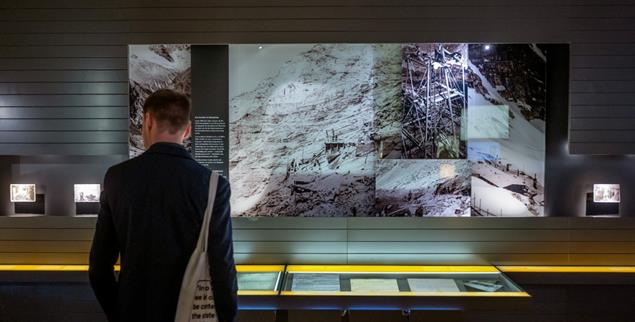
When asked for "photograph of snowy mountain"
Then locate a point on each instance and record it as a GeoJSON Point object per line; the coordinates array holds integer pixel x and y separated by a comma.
{"type": "Point", "coordinates": [302, 140]}
{"type": "Point", "coordinates": [422, 188]}
{"type": "Point", "coordinates": [434, 101]}
{"type": "Point", "coordinates": [507, 96]}
{"type": "Point", "coordinates": [153, 67]}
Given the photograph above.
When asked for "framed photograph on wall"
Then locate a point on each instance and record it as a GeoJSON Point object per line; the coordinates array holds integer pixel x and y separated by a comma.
{"type": "Point", "coordinates": [22, 192]}
{"type": "Point", "coordinates": [606, 193]}
{"type": "Point", "coordinates": [87, 192]}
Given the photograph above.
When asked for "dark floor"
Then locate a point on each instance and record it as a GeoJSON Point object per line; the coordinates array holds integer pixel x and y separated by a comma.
{"type": "Point", "coordinates": [74, 302]}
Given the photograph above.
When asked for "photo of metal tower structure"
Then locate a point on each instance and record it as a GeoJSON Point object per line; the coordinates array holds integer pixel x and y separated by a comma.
{"type": "Point", "coordinates": [435, 101]}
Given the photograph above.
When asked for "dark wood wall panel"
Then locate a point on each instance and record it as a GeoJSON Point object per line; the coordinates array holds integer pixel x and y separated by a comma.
{"type": "Point", "coordinates": [61, 125]}
{"type": "Point", "coordinates": [619, 136]}
{"type": "Point", "coordinates": [72, 63]}
{"type": "Point", "coordinates": [602, 86]}
{"type": "Point", "coordinates": [457, 241]}
{"type": "Point", "coordinates": [73, 148]}
{"type": "Point", "coordinates": [57, 76]}
{"type": "Point", "coordinates": [67, 88]}
{"type": "Point", "coordinates": [35, 137]}
{"type": "Point", "coordinates": [64, 100]}
{"type": "Point", "coordinates": [64, 112]}
{"type": "Point", "coordinates": [37, 51]}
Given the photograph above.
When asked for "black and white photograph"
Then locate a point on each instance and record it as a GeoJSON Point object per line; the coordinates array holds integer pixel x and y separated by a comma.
{"type": "Point", "coordinates": [387, 100]}
{"type": "Point", "coordinates": [423, 188]}
{"type": "Point", "coordinates": [153, 67]}
{"type": "Point", "coordinates": [507, 142]}
{"type": "Point", "coordinates": [434, 101]}
{"type": "Point", "coordinates": [22, 192]}
{"type": "Point", "coordinates": [301, 128]}
{"type": "Point", "coordinates": [87, 192]}
{"type": "Point", "coordinates": [609, 193]}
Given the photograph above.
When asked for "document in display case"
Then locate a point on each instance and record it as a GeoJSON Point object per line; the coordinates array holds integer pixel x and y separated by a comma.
{"type": "Point", "coordinates": [259, 279]}
{"type": "Point", "coordinates": [433, 285]}
{"type": "Point", "coordinates": [316, 282]}
{"type": "Point", "coordinates": [374, 285]}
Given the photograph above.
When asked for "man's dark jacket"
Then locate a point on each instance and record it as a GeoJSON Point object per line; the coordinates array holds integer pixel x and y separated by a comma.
{"type": "Point", "coordinates": [151, 213]}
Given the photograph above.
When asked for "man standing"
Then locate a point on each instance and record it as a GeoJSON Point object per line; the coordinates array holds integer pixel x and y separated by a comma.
{"type": "Point", "coordinates": [151, 214]}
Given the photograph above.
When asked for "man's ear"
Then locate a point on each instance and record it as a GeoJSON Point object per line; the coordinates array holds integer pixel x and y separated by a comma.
{"type": "Point", "coordinates": [148, 120]}
{"type": "Point", "coordinates": [188, 131]}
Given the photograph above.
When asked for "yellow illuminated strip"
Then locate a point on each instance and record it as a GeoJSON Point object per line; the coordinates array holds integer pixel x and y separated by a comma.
{"type": "Point", "coordinates": [567, 269]}
{"type": "Point", "coordinates": [368, 269]}
{"type": "Point", "coordinates": [248, 292]}
{"type": "Point", "coordinates": [439, 294]}
{"type": "Point", "coordinates": [84, 268]}
{"type": "Point", "coordinates": [388, 269]}
{"type": "Point", "coordinates": [42, 268]}
{"type": "Point", "coordinates": [259, 268]}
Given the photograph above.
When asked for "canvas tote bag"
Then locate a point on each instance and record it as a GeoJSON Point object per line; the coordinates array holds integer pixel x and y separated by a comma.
{"type": "Point", "coordinates": [196, 300]}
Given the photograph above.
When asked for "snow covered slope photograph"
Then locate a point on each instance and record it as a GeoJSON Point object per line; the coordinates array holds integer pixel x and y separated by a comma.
{"type": "Point", "coordinates": [434, 101]}
{"type": "Point", "coordinates": [302, 135]}
{"type": "Point", "coordinates": [153, 67]}
{"type": "Point", "coordinates": [423, 188]}
{"type": "Point", "coordinates": [507, 89]}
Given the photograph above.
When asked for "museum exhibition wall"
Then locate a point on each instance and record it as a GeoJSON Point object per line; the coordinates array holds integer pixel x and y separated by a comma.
{"type": "Point", "coordinates": [348, 130]}
{"type": "Point", "coordinates": [351, 130]}
{"type": "Point", "coordinates": [65, 118]}
{"type": "Point", "coordinates": [320, 140]}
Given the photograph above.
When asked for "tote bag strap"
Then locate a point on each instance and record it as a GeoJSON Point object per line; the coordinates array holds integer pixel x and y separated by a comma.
{"type": "Point", "coordinates": [207, 217]}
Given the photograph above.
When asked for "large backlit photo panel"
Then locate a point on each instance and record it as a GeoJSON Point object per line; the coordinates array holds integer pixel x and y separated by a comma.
{"type": "Point", "coordinates": [301, 127]}
{"type": "Point", "coordinates": [507, 103]}
{"type": "Point", "coordinates": [345, 130]}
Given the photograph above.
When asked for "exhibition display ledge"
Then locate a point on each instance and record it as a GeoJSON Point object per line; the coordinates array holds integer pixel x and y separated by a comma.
{"type": "Point", "coordinates": [282, 268]}
{"type": "Point", "coordinates": [340, 287]}
{"type": "Point", "coordinates": [351, 287]}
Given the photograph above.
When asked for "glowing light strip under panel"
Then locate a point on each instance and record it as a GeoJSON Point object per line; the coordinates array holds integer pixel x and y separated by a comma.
{"type": "Point", "coordinates": [388, 269]}
{"type": "Point", "coordinates": [567, 269]}
{"type": "Point", "coordinates": [45, 268]}
{"type": "Point", "coordinates": [84, 268]}
{"type": "Point", "coordinates": [435, 294]}
{"type": "Point", "coordinates": [257, 293]}
{"type": "Point", "coordinates": [259, 268]}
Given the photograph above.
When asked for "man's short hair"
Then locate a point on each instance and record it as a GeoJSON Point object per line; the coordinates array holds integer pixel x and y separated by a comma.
{"type": "Point", "coordinates": [170, 108]}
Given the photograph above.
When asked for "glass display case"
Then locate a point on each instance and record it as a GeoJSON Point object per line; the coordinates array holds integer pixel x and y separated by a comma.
{"type": "Point", "coordinates": [470, 281]}
{"type": "Point", "coordinates": [259, 279]}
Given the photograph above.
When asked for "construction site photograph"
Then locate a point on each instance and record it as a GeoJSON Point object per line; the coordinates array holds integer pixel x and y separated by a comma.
{"type": "Point", "coordinates": [507, 83]}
